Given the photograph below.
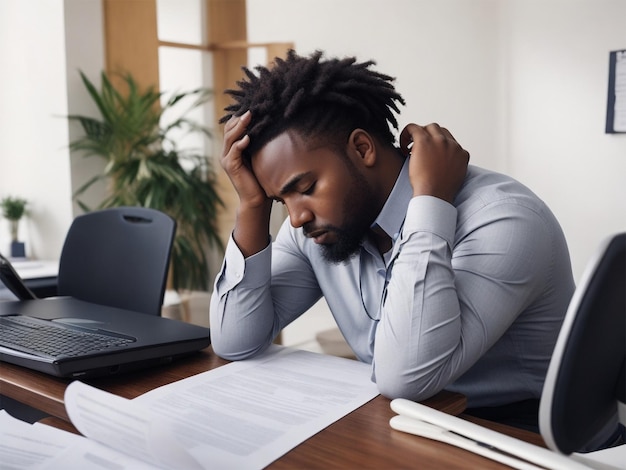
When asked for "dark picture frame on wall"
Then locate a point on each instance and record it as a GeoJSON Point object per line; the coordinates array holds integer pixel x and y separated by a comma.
{"type": "Point", "coordinates": [616, 103]}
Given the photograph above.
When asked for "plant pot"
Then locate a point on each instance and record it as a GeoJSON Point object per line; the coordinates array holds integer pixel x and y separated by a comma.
{"type": "Point", "coordinates": [18, 249]}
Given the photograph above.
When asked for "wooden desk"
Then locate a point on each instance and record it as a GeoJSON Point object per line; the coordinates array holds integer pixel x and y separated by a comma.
{"type": "Point", "coordinates": [362, 439]}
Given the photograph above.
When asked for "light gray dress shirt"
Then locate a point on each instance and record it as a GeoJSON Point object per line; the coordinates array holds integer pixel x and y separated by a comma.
{"type": "Point", "coordinates": [470, 298]}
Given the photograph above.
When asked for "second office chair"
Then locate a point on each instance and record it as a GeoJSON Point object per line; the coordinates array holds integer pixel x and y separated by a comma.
{"type": "Point", "coordinates": [118, 257]}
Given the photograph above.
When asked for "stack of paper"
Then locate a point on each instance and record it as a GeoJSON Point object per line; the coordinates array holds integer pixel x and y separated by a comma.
{"type": "Point", "coordinates": [243, 415]}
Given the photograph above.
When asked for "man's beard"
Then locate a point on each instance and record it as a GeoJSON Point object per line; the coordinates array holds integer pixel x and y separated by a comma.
{"type": "Point", "coordinates": [357, 221]}
{"type": "Point", "coordinates": [348, 244]}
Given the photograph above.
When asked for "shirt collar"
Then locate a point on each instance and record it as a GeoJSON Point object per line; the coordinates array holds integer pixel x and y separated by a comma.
{"type": "Point", "coordinates": [392, 216]}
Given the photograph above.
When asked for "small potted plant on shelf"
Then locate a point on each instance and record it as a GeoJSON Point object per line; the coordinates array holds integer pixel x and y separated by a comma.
{"type": "Point", "coordinates": [13, 209]}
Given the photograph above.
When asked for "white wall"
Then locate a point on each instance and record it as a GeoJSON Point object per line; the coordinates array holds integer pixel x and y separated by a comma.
{"type": "Point", "coordinates": [34, 161]}
{"type": "Point", "coordinates": [522, 84]}
{"type": "Point", "coordinates": [42, 44]}
{"type": "Point", "coordinates": [558, 53]}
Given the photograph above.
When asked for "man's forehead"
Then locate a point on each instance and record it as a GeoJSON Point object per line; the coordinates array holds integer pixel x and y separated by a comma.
{"type": "Point", "coordinates": [276, 162]}
{"type": "Point", "coordinates": [280, 146]}
{"type": "Point", "coordinates": [297, 140]}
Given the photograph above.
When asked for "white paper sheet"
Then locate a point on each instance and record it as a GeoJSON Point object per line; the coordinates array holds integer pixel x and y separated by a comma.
{"type": "Point", "coordinates": [249, 413]}
{"type": "Point", "coordinates": [24, 447]}
{"type": "Point", "coordinates": [243, 415]}
{"type": "Point", "coordinates": [125, 426]}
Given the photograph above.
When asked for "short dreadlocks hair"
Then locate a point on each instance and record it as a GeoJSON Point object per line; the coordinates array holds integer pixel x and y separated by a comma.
{"type": "Point", "coordinates": [324, 100]}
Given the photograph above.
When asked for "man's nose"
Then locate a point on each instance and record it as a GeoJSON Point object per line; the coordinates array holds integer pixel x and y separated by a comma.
{"type": "Point", "coordinates": [299, 215]}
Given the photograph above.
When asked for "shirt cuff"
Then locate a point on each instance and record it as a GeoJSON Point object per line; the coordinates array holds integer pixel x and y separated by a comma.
{"type": "Point", "coordinates": [257, 268]}
{"type": "Point", "coordinates": [433, 215]}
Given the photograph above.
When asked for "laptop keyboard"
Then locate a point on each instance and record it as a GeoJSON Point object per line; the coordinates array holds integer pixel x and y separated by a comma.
{"type": "Point", "coordinates": [42, 338]}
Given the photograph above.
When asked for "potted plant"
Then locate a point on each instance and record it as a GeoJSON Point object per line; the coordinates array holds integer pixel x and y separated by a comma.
{"type": "Point", "coordinates": [13, 209]}
{"type": "Point", "coordinates": [145, 167]}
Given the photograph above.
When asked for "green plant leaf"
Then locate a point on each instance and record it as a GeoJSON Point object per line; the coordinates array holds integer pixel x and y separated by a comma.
{"type": "Point", "coordinates": [13, 208]}
{"type": "Point", "coordinates": [128, 134]}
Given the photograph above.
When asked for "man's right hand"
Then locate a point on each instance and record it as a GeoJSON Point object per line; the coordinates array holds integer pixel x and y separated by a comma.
{"type": "Point", "coordinates": [437, 164]}
{"type": "Point", "coordinates": [235, 141]}
{"type": "Point", "coordinates": [251, 232]}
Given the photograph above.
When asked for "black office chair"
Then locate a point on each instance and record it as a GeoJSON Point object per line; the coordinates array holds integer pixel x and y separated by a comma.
{"type": "Point", "coordinates": [584, 396]}
{"type": "Point", "coordinates": [118, 257]}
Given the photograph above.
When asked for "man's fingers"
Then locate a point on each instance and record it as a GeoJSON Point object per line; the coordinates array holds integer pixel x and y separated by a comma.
{"type": "Point", "coordinates": [413, 132]}
{"type": "Point", "coordinates": [234, 133]}
{"type": "Point", "coordinates": [244, 119]}
{"type": "Point", "coordinates": [447, 133]}
{"type": "Point", "coordinates": [449, 138]}
{"type": "Point", "coordinates": [242, 143]}
{"type": "Point", "coordinates": [236, 126]}
{"type": "Point", "coordinates": [437, 132]}
{"type": "Point", "coordinates": [409, 134]}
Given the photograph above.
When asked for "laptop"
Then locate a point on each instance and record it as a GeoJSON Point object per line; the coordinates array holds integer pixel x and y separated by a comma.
{"type": "Point", "coordinates": [68, 337]}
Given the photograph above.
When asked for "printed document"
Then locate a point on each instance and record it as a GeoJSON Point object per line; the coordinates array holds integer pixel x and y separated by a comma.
{"type": "Point", "coordinates": [242, 415]}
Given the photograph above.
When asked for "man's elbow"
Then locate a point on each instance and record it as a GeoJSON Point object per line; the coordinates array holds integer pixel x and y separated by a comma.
{"type": "Point", "coordinates": [398, 385]}
{"type": "Point", "coordinates": [232, 352]}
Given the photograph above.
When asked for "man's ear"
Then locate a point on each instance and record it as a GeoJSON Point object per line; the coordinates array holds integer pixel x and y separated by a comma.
{"type": "Point", "coordinates": [362, 146]}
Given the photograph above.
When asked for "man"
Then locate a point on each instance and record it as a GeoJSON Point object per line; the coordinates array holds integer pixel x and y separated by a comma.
{"type": "Point", "coordinates": [438, 274]}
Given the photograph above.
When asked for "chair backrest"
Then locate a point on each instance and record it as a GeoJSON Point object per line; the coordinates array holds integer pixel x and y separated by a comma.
{"type": "Point", "coordinates": [584, 394]}
{"type": "Point", "coordinates": [118, 257]}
